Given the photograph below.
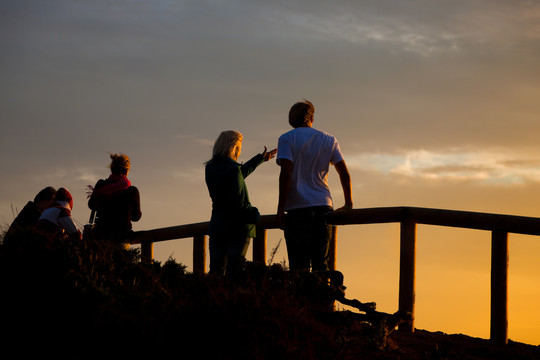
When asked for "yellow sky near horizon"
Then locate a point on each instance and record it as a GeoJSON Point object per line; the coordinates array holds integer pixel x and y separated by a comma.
{"type": "Point", "coordinates": [435, 104]}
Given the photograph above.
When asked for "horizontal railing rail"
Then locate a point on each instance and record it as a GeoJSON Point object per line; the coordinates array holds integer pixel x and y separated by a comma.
{"type": "Point", "coordinates": [408, 217]}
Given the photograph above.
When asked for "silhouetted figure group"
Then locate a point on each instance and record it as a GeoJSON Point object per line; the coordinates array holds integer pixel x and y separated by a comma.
{"type": "Point", "coordinates": [304, 155]}
{"type": "Point", "coordinates": [114, 202]}
{"type": "Point", "coordinates": [49, 216]}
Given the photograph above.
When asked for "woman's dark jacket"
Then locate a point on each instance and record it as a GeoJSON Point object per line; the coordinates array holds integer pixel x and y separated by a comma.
{"type": "Point", "coordinates": [27, 218]}
{"type": "Point", "coordinates": [115, 213]}
{"type": "Point", "coordinates": [232, 213]}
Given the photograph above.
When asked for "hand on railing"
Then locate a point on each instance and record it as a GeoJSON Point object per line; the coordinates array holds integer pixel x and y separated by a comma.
{"type": "Point", "coordinates": [344, 208]}
{"type": "Point", "coordinates": [281, 219]}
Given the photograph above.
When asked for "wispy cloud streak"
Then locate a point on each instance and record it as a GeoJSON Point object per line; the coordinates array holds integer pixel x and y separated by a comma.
{"type": "Point", "coordinates": [485, 167]}
{"type": "Point", "coordinates": [438, 28]}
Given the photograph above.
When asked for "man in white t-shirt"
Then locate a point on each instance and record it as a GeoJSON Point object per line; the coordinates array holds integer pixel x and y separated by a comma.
{"type": "Point", "coordinates": [305, 155]}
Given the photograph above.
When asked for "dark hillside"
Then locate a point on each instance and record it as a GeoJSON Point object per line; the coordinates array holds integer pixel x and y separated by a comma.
{"type": "Point", "coordinates": [97, 301]}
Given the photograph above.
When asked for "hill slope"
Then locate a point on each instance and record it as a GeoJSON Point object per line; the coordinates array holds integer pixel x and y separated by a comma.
{"type": "Point", "coordinates": [97, 301]}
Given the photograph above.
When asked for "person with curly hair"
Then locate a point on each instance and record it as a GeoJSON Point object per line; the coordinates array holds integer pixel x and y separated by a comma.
{"type": "Point", "coordinates": [116, 203]}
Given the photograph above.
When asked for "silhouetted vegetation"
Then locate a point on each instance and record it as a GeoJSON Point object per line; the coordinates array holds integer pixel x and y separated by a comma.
{"type": "Point", "coordinates": [96, 300]}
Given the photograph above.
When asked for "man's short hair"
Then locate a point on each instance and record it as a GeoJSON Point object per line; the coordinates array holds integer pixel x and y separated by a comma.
{"type": "Point", "coordinates": [300, 113]}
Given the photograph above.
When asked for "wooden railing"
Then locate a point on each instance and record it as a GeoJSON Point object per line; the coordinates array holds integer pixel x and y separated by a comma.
{"type": "Point", "coordinates": [408, 217]}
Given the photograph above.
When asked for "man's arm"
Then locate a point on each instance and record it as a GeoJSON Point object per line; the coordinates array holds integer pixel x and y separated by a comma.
{"type": "Point", "coordinates": [345, 179]}
{"type": "Point", "coordinates": [285, 177]}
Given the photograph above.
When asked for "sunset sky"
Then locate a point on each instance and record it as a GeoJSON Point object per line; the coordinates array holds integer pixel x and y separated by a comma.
{"type": "Point", "coordinates": [434, 103]}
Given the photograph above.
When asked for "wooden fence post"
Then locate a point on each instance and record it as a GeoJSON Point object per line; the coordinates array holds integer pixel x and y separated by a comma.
{"type": "Point", "coordinates": [499, 287]}
{"type": "Point", "coordinates": [147, 251]}
{"type": "Point", "coordinates": [199, 254]}
{"type": "Point", "coordinates": [259, 246]}
{"type": "Point", "coordinates": [407, 269]}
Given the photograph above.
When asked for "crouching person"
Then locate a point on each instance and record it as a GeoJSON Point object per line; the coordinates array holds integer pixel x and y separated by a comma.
{"type": "Point", "coordinates": [56, 221]}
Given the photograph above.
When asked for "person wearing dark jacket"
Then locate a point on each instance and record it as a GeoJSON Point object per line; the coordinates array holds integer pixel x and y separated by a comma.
{"type": "Point", "coordinates": [29, 215]}
{"type": "Point", "coordinates": [116, 203]}
{"type": "Point", "coordinates": [233, 218]}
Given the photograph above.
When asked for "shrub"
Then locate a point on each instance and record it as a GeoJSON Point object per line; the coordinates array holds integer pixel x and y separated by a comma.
{"type": "Point", "coordinates": [97, 301]}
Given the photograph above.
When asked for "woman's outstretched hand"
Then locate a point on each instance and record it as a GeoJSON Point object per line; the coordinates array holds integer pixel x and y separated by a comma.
{"type": "Point", "coordinates": [267, 155]}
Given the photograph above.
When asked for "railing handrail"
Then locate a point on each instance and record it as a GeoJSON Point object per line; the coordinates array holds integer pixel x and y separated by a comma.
{"type": "Point", "coordinates": [451, 218]}
{"type": "Point", "coordinates": [171, 233]}
{"type": "Point", "coordinates": [426, 216]}
{"type": "Point", "coordinates": [500, 225]}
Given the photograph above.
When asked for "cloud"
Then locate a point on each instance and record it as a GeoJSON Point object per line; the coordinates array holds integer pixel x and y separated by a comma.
{"type": "Point", "coordinates": [485, 167]}
{"type": "Point", "coordinates": [192, 175]}
{"type": "Point", "coordinates": [196, 140]}
{"type": "Point", "coordinates": [421, 27]}
{"type": "Point", "coordinates": [127, 29]}
{"type": "Point", "coordinates": [375, 30]}
{"type": "Point", "coordinates": [87, 175]}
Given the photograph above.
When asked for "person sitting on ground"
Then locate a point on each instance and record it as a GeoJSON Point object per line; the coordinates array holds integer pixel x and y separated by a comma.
{"type": "Point", "coordinates": [29, 215]}
{"type": "Point", "coordinates": [116, 203]}
{"type": "Point", "coordinates": [56, 221]}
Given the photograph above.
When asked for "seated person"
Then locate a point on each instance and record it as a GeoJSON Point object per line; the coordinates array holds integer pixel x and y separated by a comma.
{"type": "Point", "coordinates": [29, 215]}
{"type": "Point", "coordinates": [56, 220]}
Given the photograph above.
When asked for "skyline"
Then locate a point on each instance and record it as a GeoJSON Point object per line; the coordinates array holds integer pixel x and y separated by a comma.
{"type": "Point", "coordinates": [433, 104]}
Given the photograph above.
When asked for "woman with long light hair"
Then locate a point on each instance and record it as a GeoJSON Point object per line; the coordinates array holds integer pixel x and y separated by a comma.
{"type": "Point", "coordinates": [233, 217]}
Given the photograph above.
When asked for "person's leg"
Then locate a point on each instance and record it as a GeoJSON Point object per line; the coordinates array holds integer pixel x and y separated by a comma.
{"type": "Point", "coordinates": [236, 253]}
{"type": "Point", "coordinates": [218, 255]}
{"type": "Point", "coordinates": [297, 238]}
{"type": "Point", "coordinates": [321, 234]}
